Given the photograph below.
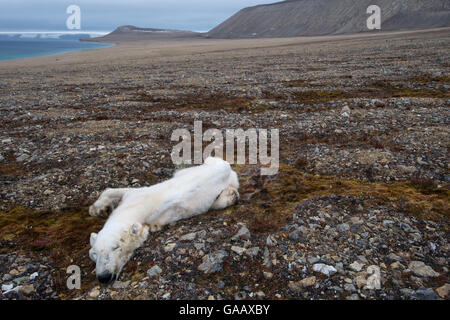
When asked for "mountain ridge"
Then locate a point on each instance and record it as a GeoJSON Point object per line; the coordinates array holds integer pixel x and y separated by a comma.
{"type": "Point", "coordinates": [133, 33]}
{"type": "Point", "coordinates": [294, 18]}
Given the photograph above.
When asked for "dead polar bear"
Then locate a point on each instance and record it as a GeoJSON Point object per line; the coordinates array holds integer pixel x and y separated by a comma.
{"type": "Point", "coordinates": [192, 191]}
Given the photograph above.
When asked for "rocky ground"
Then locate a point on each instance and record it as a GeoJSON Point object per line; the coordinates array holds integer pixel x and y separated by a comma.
{"type": "Point", "coordinates": [359, 209]}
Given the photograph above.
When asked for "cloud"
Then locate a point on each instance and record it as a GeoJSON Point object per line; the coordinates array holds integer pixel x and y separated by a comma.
{"type": "Point", "coordinates": [199, 15]}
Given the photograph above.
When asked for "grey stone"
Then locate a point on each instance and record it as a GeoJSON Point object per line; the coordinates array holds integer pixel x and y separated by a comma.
{"type": "Point", "coordinates": [392, 257]}
{"type": "Point", "coordinates": [356, 266]}
{"type": "Point", "coordinates": [252, 252]}
{"type": "Point", "coordinates": [201, 234]}
{"type": "Point", "coordinates": [238, 250]}
{"type": "Point", "coordinates": [22, 158]}
{"type": "Point", "coordinates": [344, 227]}
{"type": "Point", "coordinates": [199, 246]}
{"type": "Point", "coordinates": [154, 271]}
{"type": "Point", "coordinates": [407, 169]}
{"type": "Point", "coordinates": [213, 262]}
{"type": "Point", "coordinates": [122, 284]}
{"type": "Point", "coordinates": [406, 227]}
{"type": "Point", "coordinates": [345, 109]}
{"type": "Point", "coordinates": [220, 284]}
{"type": "Point", "coordinates": [7, 277]}
{"type": "Point", "coordinates": [267, 261]}
{"type": "Point", "coordinates": [243, 233]}
{"type": "Point", "coordinates": [340, 267]}
{"type": "Point", "coordinates": [240, 295]}
{"type": "Point", "coordinates": [20, 279]}
{"type": "Point", "coordinates": [443, 291]}
{"type": "Point", "coordinates": [13, 293]}
{"type": "Point", "coordinates": [27, 289]}
{"type": "Point", "coordinates": [420, 269]}
{"type": "Point", "coordinates": [349, 287]}
{"type": "Point", "coordinates": [166, 295]}
{"type": "Point", "coordinates": [425, 294]}
{"type": "Point", "coordinates": [7, 287]}
{"type": "Point", "coordinates": [163, 172]}
{"type": "Point", "coordinates": [313, 260]}
{"type": "Point", "coordinates": [416, 236]}
{"type": "Point", "coordinates": [308, 282]}
{"type": "Point", "coordinates": [295, 236]}
{"type": "Point", "coordinates": [188, 237]}
{"type": "Point", "coordinates": [34, 276]}
{"type": "Point", "coordinates": [407, 292]}
{"type": "Point", "coordinates": [295, 286]}
{"type": "Point", "coordinates": [324, 269]}
{"type": "Point", "coordinates": [169, 247]}
{"type": "Point", "coordinates": [270, 241]}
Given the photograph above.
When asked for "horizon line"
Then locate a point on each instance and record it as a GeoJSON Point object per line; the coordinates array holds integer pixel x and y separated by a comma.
{"type": "Point", "coordinates": [53, 31]}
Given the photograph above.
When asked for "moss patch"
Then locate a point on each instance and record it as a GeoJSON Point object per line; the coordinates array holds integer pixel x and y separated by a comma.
{"type": "Point", "coordinates": [10, 168]}
{"type": "Point", "coordinates": [201, 100]}
{"type": "Point", "coordinates": [421, 93]}
{"type": "Point", "coordinates": [294, 83]}
{"type": "Point", "coordinates": [273, 199]}
{"type": "Point", "coordinates": [429, 79]}
{"type": "Point", "coordinates": [321, 96]}
{"type": "Point", "coordinates": [378, 90]}
{"type": "Point", "coordinates": [62, 236]}
{"type": "Point", "coordinates": [267, 203]}
{"type": "Point", "coordinates": [49, 231]}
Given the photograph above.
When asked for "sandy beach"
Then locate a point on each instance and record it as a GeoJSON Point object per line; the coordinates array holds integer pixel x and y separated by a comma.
{"type": "Point", "coordinates": [363, 181]}
{"type": "Point", "coordinates": [137, 50]}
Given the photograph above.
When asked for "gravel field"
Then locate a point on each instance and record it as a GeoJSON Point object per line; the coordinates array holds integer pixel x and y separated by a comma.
{"type": "Point", "coordinates": [359, 209]}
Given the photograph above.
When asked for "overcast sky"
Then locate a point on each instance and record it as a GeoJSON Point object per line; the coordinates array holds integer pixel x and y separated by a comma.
{"type": "Point", "coordinates": [106, 15]}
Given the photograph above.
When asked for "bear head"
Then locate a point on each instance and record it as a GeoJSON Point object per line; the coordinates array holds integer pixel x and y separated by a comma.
{"type": "Point", "coordinates": [113, 247]}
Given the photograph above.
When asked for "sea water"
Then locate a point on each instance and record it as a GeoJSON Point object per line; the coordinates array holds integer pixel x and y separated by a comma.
{"type": "Point", "coordinates": [26, 48]}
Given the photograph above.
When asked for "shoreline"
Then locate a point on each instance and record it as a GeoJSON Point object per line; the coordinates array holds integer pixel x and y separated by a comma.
{"type": "Point", "coordinates": [144, 49]}
{"type": "Point", "coordinates": [93, 45]}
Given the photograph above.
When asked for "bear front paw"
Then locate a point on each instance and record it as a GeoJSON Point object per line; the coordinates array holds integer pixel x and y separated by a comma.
{"type": "Point", "coordinates": [100, 211]}
{"type": "Point", "coordinates": [155, 227]}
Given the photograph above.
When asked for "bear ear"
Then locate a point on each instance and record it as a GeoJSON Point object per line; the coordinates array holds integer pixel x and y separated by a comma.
{"type": "Point", "coordinates": [139, 230]}
{"type": "Point", "coordinates": [136, 228]}
{"type": "Point", "coordinates": [93, 238]}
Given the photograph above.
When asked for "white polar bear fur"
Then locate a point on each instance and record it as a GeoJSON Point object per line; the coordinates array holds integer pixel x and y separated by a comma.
{"type": "Point", "coordinates": [192, 191]}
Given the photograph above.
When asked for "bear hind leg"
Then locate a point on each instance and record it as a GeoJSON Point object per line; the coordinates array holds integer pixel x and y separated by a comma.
{"type": "Point", "coordinates": [226, 198]}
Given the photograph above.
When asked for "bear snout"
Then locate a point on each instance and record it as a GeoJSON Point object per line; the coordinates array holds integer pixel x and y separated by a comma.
{"type": "Point", "coordinates": [106, 278]}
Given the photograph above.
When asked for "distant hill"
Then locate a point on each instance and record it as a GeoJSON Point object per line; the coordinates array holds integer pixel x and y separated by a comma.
{"type": "Point", "coordinates": [324, 17]}
{"type": "Point", "coordinates": [132, 33]}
